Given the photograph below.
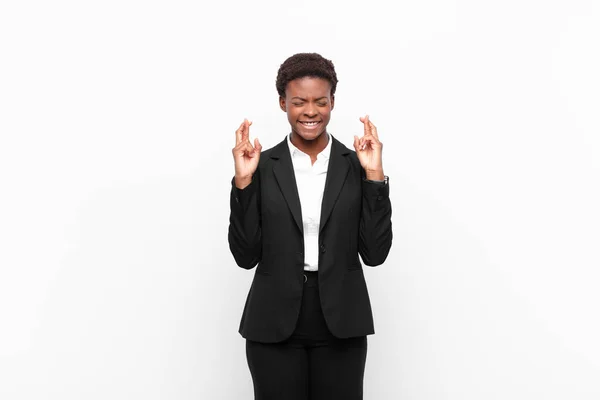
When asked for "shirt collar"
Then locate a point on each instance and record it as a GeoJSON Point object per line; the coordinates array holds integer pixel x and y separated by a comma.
{"type": "Point", "coordinates": [294, 151]}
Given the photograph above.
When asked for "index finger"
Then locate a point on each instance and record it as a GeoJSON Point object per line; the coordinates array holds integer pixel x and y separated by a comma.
{"type": "Point", "coordinates": [239, 136]}
{"type": "Point", "coordinates": [243, 132]}
{"type": "Point", "coordinates": [367, 124]}
{"type": "Point", "coordinates": [373, 130]}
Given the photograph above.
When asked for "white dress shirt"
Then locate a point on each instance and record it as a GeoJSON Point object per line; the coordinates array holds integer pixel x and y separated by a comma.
{"type": "Point", "coordinates": [310, 180]}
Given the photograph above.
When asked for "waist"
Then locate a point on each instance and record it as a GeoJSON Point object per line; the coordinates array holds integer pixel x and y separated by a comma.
{"type": "Point", "coordinates": [311, 278]}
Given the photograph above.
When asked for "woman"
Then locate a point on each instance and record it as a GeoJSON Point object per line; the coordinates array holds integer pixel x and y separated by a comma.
{"type": "Point", "coordinates": [303, 211]}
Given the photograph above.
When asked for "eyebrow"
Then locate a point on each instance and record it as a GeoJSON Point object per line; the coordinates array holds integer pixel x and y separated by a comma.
{"type": "Point", "coordinates": [300, 98]}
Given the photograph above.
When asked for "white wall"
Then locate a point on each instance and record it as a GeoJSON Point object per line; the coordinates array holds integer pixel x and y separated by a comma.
{"type": "Point", "coordinates": [117, 119]}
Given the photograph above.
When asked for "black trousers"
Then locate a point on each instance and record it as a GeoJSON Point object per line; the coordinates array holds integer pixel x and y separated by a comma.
{"type": "Point", "coordinates": [312, 364]}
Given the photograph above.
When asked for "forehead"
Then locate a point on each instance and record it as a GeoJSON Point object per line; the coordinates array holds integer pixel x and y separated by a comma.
{"type": "Point", "coordinates": [308, 87]}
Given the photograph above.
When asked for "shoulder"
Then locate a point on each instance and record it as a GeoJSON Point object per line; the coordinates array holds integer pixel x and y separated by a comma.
{"type": "Point", "coordinates": [349, 153]}
{"type": "Point", "coordinates": [275, 152]}
{"type": "Point", "coordinates": [266, 154]}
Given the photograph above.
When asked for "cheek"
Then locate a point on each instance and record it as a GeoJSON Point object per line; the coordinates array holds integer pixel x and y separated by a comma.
{"type": "Point", "coordinates": [293, 115]}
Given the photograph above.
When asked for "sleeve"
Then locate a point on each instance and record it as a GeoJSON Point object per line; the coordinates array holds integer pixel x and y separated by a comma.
{"type": "Point", "coordinates": [244, 224]}
{"type": "Point", "coordinates": [375, 238]}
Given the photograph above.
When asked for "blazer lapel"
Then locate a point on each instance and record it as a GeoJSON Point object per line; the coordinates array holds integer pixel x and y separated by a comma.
{"type": "Point", "coordinates": [336, 175]}
{"type": "Point", "coordinates": [286, 179]}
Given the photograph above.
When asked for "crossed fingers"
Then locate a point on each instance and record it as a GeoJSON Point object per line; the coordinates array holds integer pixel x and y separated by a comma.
{"type": "Point", "coordinates": [242, 141]}
{"type": "Point", "coordinates": [370, 138]}
{"type": "Point", "coordinates": [243, 132]}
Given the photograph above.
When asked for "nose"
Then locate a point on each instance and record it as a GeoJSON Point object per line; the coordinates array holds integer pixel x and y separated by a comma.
{"type": "Point", "coordinates": [310, 111]}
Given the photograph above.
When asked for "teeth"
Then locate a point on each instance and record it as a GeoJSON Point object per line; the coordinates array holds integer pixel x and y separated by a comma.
{"type": "Point", "coordinates": [310, 123]}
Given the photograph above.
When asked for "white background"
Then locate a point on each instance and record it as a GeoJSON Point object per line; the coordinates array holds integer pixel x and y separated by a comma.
{"type": "Point", "coordinates": [117, 120]}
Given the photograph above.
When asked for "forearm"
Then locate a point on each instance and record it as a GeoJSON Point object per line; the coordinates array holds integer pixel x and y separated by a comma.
{"type": "Point", "coordinates": [244, 224]}
{"type": "Point", "coordinates": [376, 175]}
{"type": "Point", "coordinates": [375, 235]}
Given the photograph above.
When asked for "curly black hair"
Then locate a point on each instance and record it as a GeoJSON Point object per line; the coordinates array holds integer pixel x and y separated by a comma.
{"type": "Point", "coordinates": [305, 65]}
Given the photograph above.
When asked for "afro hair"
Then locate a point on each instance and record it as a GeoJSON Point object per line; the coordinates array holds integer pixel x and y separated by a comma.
{"type": "Point", "coordinates": [303, 65]}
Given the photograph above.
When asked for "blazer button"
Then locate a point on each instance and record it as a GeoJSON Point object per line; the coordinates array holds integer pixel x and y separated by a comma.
{"type": "Point", "coordinates": [322, 249]}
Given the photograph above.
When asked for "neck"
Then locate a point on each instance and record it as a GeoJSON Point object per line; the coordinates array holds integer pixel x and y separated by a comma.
{"type": "Point", "coordinates": [310, 147]}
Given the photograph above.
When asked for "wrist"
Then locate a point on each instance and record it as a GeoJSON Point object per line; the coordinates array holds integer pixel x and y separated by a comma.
{"type": "Point", "coordinates": [375, 175]}
{"type": "Point", "coordinates": [242, 181]}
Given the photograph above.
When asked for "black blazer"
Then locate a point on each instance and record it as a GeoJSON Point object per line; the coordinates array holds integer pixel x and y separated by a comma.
{"type": "Point", "coordinates": [265, 228]}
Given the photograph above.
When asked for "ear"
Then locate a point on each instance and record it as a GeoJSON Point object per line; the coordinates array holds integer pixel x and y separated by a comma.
{"type": "Point", "coordinates": [282, 104]}
{"type": "Point", "coordinates": [332, 101]}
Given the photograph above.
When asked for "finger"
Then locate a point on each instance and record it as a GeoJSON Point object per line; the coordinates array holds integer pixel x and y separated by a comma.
{"type": "Point", "coordinates": [371, 137]}
{"type": "Point", "coordinates": [246, 130]}
{"type": "Point", "coordinates": [250, 151]}
{"type": "Point", "coordinates": [238, 133]}
{"type": "Point", "coordinates": [373, 142]}
{"type": "Point", "coordinates": [373, 129]}
{"type": "Point", "coordinates": [257, 145]}
{"type": "Point", "coordinates": [366, 123]}
{"type": "Point", "coordinates": [364, 143]}
{"type": "Point", "coordinates": [360, 143]}
{"type": "Point", "coordinates": [356, 143]}
{"type": "Point", "coordinates": [243, 149]}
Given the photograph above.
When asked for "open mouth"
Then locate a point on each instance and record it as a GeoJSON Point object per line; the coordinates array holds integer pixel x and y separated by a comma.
{"type": "Point", "coordinates": [310, 124]}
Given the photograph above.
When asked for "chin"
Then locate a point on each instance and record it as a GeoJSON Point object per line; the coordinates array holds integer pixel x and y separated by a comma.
{"type": "Point", "coordinates": [310, 136]}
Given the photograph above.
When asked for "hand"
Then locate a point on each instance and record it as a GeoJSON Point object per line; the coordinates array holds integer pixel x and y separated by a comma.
{"type": "Point", "coordinates": [368, 149]}
{"type": "Point", "coordinates": [245, 155]}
